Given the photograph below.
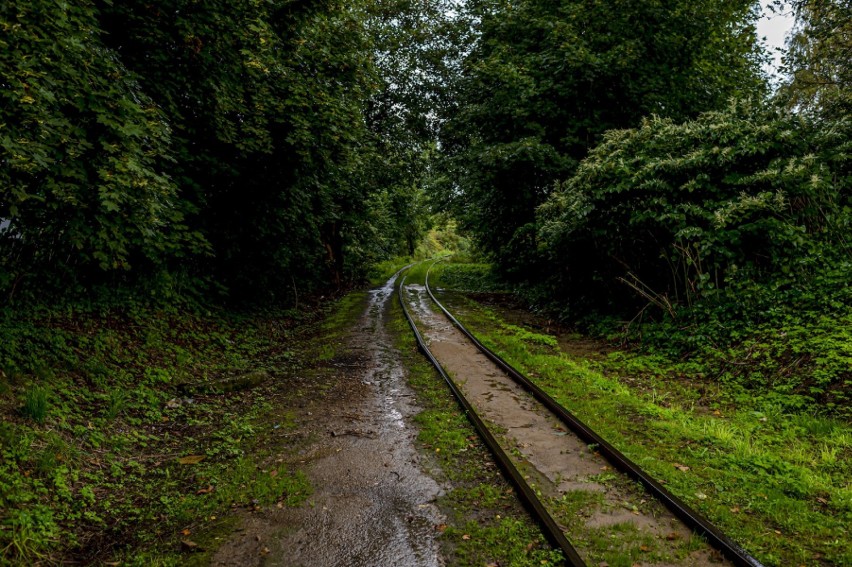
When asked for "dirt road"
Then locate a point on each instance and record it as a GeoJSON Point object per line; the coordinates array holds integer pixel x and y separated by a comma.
{"type": "Point", "coordinates": [373, 504]}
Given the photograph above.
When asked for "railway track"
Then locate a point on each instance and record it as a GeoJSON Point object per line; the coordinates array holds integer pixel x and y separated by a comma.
{"type": "Point", "coordinates": [539, 403]}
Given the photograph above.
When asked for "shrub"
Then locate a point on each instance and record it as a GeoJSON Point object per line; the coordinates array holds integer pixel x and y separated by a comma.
{"type": "Point", "coordinates": [678, 211]}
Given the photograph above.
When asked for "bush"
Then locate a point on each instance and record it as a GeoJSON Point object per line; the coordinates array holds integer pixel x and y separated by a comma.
{"type": "Point", "coordinates": [679, 211]}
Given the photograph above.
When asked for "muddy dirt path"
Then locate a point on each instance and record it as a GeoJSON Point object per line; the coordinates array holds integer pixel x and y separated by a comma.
{"type": "Point", "coordinates": [561, 462]}
{"type": "Point", "coordinates": [372, 504]}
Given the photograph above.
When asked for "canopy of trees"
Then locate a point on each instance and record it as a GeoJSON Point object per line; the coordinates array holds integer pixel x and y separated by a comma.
{"type": "Point", "coordinates": [546, 79]}
{"type": "Point", "coordinates": [258, 146]}
{"type": "Point", "coordinates": [265, 148]}
{"type": "Point", "coordinates": [819, 56]}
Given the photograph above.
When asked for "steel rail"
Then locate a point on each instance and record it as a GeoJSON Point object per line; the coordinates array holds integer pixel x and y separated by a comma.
{"type": "Point", "coordinates": [694, 520]}
{"type": "Point", "coordinates": [534, 505]}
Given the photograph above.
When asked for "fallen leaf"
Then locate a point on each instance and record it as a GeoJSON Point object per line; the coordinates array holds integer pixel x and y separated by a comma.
{"type": "Point", "coordinates": [189, 545]}
{"type": "Point", "coordinates": [644, 548]}
{"type": "Point", "coordinates": [672, 536]}
{"type": "Point", "coordinates": [603, 564]}
{"type": "Point", "coordinates": [701, 496]}
{"type": "Point", "coordinates": [273, 474]}
{"type": "Point", "coordinates": [465, 537]}
{"type": "Point", "coordinates": [191, 459]}
{"type": "Point", "coordinates": [264, 551]}
{"type": "Point", "coordinates": [821, 500]}
{"type": "Point", "coordinates": [735, 510]}
{"type": "Point", "coordinates": [207, 490]}
{"type": "Point", "coordinates": [717, 413]}
{"type": "Point", "coordinates": [186, 532]}
{"type": "Point", "coordinates": [778, 532]}
{"type": "Point", "coordinates": [681, 467]}
{"type": "Point", "coordinates": [441, 527]}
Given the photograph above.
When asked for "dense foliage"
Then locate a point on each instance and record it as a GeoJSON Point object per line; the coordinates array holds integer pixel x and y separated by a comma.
{"type": "Point", "coordinates": [257, 147]}
{"type": "Point", "coordinates": [819, 57]}
{"type": "Point", "coordinates": [82, 182]}
{"type": "Point", "coordinates": [679, 210]}
{"type": "Point", "coordinates": [623, 161]}
{"type": "Point", "coordinates": [545, 80]}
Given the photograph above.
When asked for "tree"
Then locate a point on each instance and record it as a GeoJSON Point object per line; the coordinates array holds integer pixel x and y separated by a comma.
{"type": "Point", "coordinates": [267, 105]}
{"type": "Point", "coordinates": [416, 47]}
{"type": "Point", "coordinates": [83, 182]}
{"type": "Point", "coordinates": [819, 57]}
{"type": "Point", "coordinates": [546, 79]}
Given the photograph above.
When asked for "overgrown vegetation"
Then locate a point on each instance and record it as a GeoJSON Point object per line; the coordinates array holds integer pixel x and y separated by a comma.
{"type": "Point", "coordinates": [771, 476]}
{"type": "Point", "coordinates": [258, 150]}
{"type": "Point", "coordinates": [707, 222]}
{"type": "Point", "coordinates": [624, 165]}
{"type": "Point", "coordinates": [126, 431]}
{"type": "Point", "coordinates": [736, 250]}
{"type": "Point", "coordinates": [544, 80]}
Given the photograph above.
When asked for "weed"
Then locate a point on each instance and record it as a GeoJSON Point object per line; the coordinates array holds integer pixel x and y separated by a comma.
{"type": "Point", "coordinates": [101, 483]}
{"type": "Point", "coordinates": [116, 403]}
{"type": "Point", "coordinates": [35, 404]}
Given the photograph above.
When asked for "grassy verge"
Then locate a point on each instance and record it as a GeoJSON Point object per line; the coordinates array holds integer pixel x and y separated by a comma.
{"type": "Point", "coordinates": [486, 525]}
{"type": "Point", "coordinates": [776, 481]}
{"type": "Point", "coordinates": [134, 435]}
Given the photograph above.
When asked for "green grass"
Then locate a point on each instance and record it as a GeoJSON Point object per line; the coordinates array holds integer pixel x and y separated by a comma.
{"type": "Point", "coordinates": [97, 408]}
{"type": "Point", "coordinates": [382, 271]}
{"type": "Point", "coordinates": [35, 404]}
{"type": "Point", "coordinates": [485, 523]}
{"type": "Point", "coordinates": [775, 480]}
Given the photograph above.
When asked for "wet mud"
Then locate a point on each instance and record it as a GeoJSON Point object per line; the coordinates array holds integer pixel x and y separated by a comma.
{"type": "Point", "coordinates": [372, 503]}
{"type": "Point", "coordinates": [539, 441]}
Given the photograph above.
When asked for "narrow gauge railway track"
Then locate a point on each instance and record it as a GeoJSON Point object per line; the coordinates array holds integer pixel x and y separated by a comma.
{"type": "Point", "coordinates": [690, 518]}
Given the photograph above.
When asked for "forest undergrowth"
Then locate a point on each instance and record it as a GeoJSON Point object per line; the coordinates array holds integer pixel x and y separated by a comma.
{"type": "Point", "coordinates": [132, 434]}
